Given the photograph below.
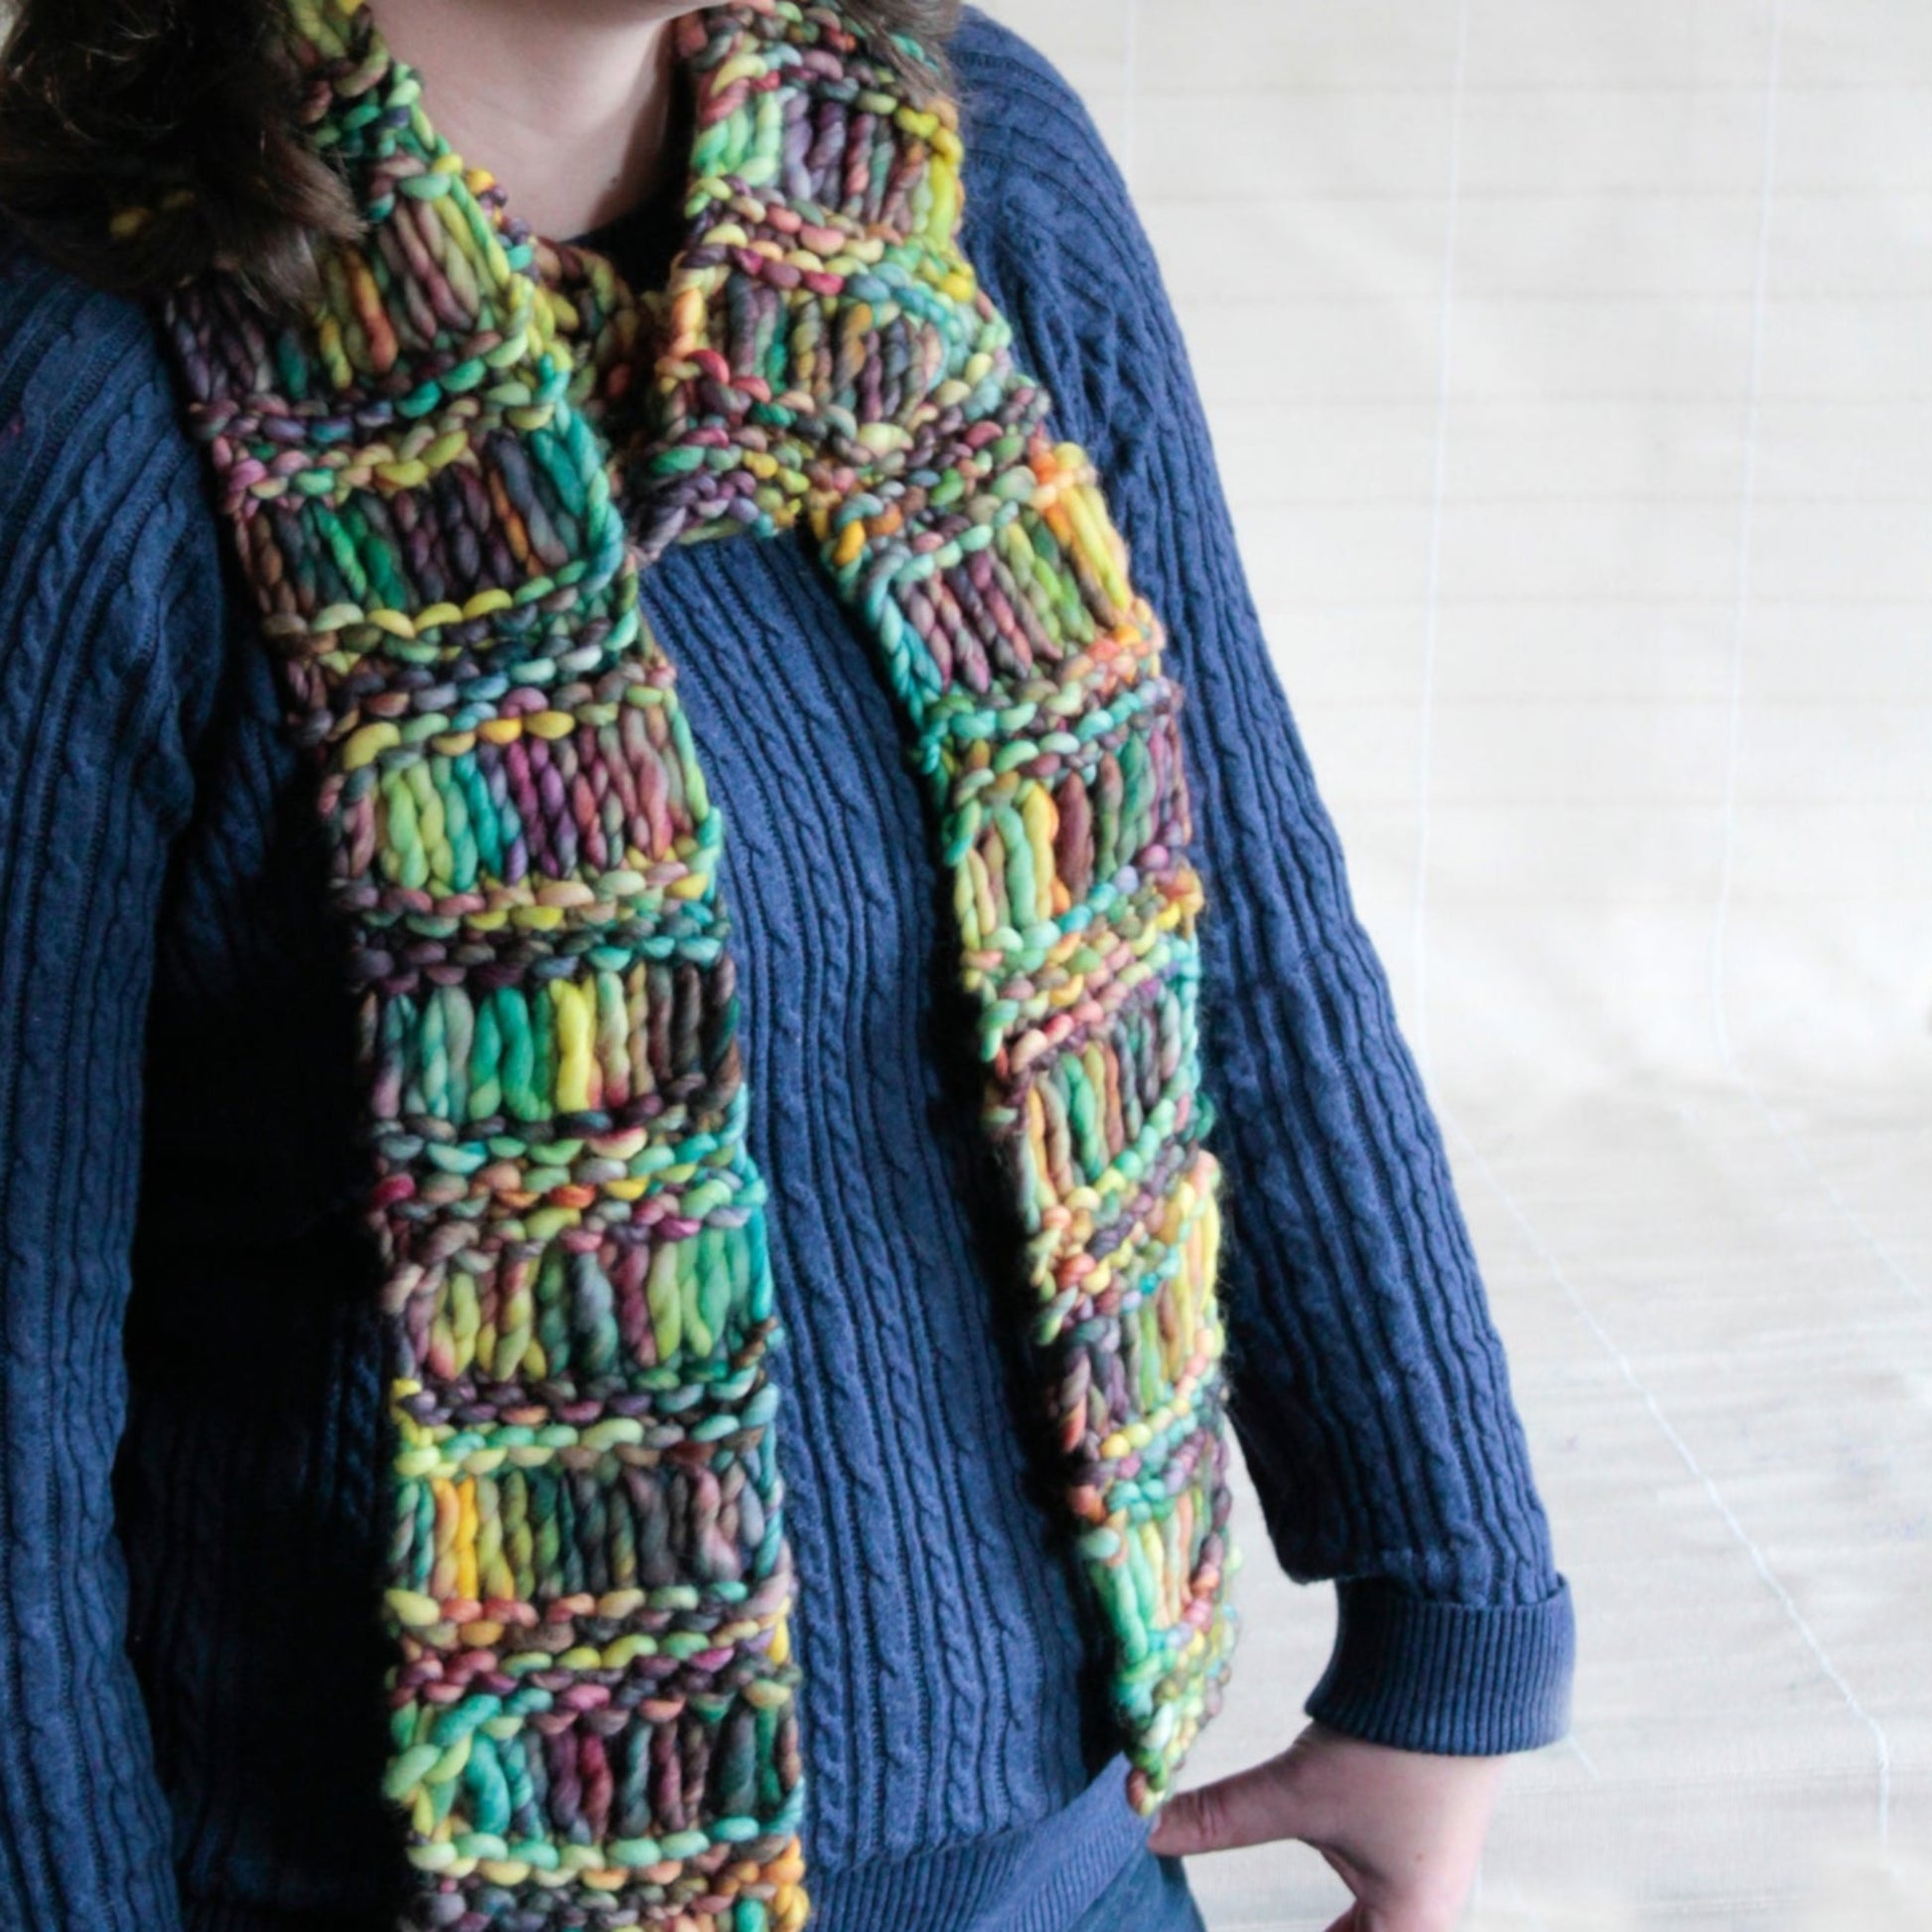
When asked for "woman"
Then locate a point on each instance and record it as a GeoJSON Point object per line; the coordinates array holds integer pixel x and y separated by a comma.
{"type": "Point", "coordinates": [354, 1582]}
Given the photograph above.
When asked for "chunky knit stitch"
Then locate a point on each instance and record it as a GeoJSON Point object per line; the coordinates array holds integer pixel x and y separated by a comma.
{"type": "Point", "coordinates": [430, 479]}
{"type": "Point", "coordinates": [1369, 1387]}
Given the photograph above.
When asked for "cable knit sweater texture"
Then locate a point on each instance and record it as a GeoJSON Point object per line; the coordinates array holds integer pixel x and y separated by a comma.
{"type": "Point", "coordinates": [191, 1727]}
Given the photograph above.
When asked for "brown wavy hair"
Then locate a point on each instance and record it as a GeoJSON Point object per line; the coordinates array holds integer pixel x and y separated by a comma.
{"type": "Point", "coordinates": [190, 107]}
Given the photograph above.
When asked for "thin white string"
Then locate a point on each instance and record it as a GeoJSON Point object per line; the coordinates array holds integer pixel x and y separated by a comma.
{"type": "Point", "coordinates": [1433, 577]}
{"type": "Point", "coordinates": [1746, 514]}
{"type": "Point", "coordinates": [1733, 730]}
{"type": "Point", "coordinates": [1130, 89]}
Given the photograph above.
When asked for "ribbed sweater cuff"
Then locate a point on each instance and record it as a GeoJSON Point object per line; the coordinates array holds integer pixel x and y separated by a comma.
{"type": "Point", "coordinates": [1445, 1676]}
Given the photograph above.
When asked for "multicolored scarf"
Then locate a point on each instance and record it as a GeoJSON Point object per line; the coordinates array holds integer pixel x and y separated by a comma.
{"type": "Point", "coordinates": [443, 482]}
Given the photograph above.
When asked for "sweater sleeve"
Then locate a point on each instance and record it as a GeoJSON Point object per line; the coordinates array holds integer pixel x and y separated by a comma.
{"type": "Point", "coordinates": [1368, 1386]}
{"type": "Point", "coordinates": [108, 621]}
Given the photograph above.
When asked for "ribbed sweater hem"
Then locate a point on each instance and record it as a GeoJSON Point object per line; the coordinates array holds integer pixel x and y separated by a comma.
{"type": "Point", "coordinates": [1032, 1879]}
{"type": "Point", "coordinates": [1447, 1678]}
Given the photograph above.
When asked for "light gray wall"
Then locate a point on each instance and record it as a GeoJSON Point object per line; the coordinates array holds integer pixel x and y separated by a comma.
{"type": "Point", "coordinates": [1571, 370]}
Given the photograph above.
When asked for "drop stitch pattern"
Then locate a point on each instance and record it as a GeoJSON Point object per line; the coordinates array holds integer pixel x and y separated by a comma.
{"type": "Point", "coordinates": [443, 483]}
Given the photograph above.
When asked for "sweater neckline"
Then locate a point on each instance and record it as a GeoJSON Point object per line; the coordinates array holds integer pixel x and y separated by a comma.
{"type": "Point", "coordinates": [643, 241]}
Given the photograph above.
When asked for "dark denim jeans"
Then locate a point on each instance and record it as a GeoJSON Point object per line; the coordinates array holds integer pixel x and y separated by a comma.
{"type": "Point", "coordinates": [1149, 1895]}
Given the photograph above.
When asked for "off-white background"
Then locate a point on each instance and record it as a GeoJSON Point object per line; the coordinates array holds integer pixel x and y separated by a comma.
{"type": "Point", "coordinates": [1571, 370]}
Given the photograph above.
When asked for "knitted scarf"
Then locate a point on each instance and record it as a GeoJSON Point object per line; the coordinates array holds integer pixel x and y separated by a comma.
{"type": "Point", "coordinates": [443, 482]}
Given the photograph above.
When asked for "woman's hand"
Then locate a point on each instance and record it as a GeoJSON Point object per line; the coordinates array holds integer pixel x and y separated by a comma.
{"type": "Point", "coordinates": [1402, 1829]}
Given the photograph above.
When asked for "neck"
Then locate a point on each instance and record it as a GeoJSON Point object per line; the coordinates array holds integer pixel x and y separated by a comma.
{"type": "Point", "coordinates": [569, 106]}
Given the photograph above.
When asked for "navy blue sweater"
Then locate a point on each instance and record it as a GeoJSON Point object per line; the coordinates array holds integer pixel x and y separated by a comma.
{"type": "Point", "coordinates": [190, 1507]}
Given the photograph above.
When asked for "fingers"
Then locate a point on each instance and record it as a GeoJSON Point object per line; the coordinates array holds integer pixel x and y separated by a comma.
{"type": "Point", "coordinates": [1253, 1807]}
